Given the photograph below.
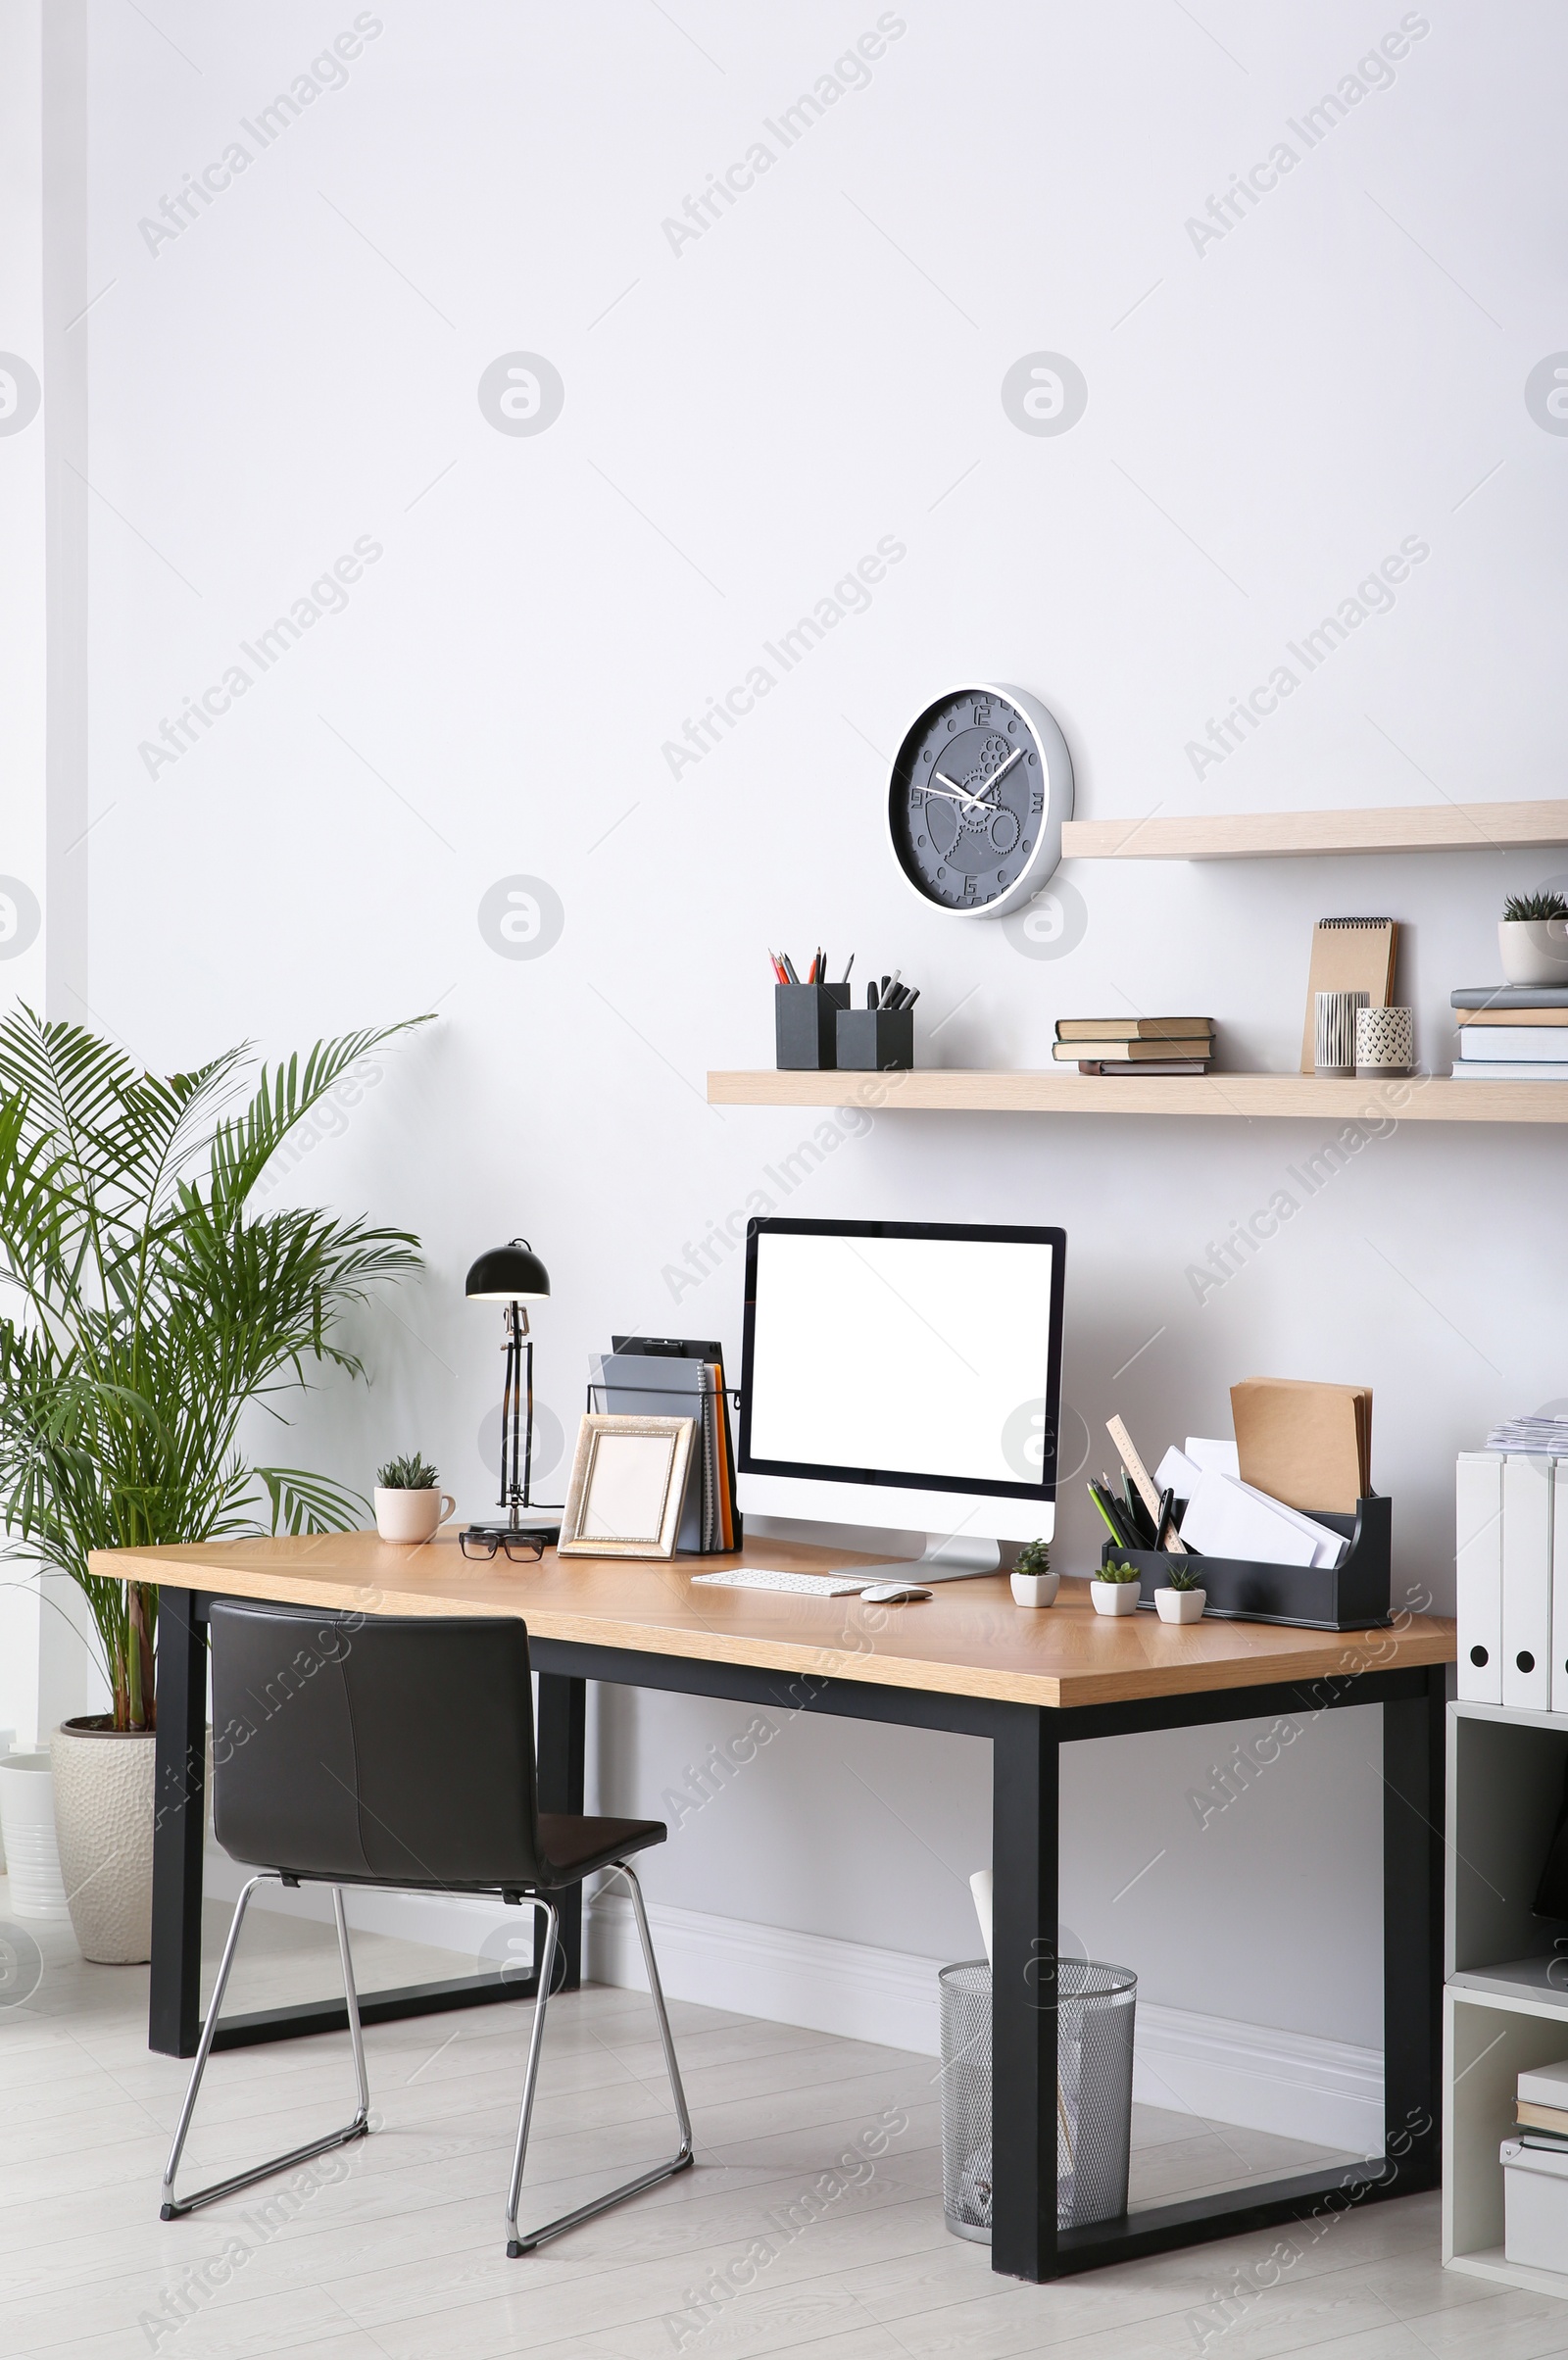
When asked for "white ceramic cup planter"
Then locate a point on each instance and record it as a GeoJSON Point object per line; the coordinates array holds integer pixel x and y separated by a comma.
{"type": "Point", "coordinates": [1534, 950]}
{"type": "Point", "coordinates": [412, 1515]}
{"type": "Point", "coordinates": [1115, 1597]}
{"type": "Point", "coordinates": [1034, 1589]}
{"type": "Point", "coordinates": [32, 1856]}
{"type": "Point", "coordinates": [1180, 1605]}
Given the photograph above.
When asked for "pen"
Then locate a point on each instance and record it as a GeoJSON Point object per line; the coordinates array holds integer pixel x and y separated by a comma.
{"type": "Point", "coordinates": [913, 997]}
{"type": "Point", "coordinates": [1167, 1500]}
{"type": "Point", "coordinates": [845, 977]}
{"type": "Point", "coordinates": [882, 995]}
{"type": "Point", "coordinates": [870, 995]}
{"type": "Point", "coordinates": [789, 966]}
{"type": "Point", "coordinates": [1094, 1494]}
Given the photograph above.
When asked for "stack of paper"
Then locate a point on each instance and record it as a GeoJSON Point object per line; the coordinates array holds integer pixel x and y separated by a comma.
{"type": "Point", "coordinates": [1532, 1437]}
{"type": "Point", "coordinates": [1179, 1470]}
{"type": "Point", "coordinates": [1228, 1518]}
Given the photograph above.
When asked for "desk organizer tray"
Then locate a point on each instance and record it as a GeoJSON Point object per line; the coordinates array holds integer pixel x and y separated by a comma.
{"type": "Point", "coordinates": [1349, 1597]}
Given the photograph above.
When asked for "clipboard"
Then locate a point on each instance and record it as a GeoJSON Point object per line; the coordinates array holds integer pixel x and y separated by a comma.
{"type": "Point", "coordinates": [1348, 955]}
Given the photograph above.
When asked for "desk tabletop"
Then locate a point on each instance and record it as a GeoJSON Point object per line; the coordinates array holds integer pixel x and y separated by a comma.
{"type": "Point", "coordinates": [968, 1640]}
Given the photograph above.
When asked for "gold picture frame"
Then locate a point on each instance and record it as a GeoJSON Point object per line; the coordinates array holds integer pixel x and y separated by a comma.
{"type": "Point", "coordinates": [628, 1486]}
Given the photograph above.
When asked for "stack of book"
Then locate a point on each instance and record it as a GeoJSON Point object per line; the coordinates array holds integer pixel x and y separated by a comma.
{"type": "Point", "coordinates": [1512, 1033]}
{"type": "Point", "coordinates": [1135, 1044]}
{"type": "Point", "coordinates": [1541, 2108]}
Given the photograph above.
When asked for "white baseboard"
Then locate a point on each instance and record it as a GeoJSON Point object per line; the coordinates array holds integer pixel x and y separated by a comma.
{"type": "Point", "coordinates": [1293, 2084]}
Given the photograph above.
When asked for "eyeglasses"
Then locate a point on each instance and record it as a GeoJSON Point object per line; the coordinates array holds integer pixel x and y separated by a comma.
{"type": "Point", "coordinates": [522, 1549]}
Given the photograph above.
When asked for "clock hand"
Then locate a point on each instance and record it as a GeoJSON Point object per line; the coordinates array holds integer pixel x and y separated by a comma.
{"type": "Point", "coordinates": [975, 801]}
{"type": "Point", "coordinates": [1013, 757]}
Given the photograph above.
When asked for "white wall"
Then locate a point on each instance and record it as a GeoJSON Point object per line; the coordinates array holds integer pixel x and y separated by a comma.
{"type": "Point", "coordinates": [817, 374]}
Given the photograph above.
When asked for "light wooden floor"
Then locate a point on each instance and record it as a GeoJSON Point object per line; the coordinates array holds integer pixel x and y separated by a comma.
{"type": "Point", "coordinates": [399, 2256]}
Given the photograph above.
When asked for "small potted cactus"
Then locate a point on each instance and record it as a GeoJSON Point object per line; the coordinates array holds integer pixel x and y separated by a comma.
{"type": "Point", "coordinates": [408, 1504]}
{"type": "Point", "coordinates": [1033, 1582]}
{"type": "Point", "coordinates": [1533, 939]}
{"type": "Point", "coordinates": [1184, 1596]}
{"type": "Point", "coordinates": [1116, 1589]}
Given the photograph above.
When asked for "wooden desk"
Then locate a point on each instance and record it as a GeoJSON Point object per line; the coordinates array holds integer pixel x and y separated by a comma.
{"type": "Point", "coordinates": [970, 1661]}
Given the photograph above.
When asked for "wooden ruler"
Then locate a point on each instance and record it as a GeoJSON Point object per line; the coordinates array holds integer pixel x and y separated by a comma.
{"type": "Point", "coordinates": [1143, 1482]}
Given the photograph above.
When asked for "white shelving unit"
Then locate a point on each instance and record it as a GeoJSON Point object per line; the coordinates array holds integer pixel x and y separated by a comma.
{"type": "Point", "coordinates": [1505, 2006]}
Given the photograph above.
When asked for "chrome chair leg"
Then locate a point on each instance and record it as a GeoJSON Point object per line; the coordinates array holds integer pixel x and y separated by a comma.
{"type": "Point", "coordinates": [678, 2162]}
{"type": "Point", "coordinates": [176, 2207]}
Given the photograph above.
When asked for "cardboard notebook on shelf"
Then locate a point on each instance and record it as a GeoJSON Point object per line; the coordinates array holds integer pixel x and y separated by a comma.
{"type": "Point", "coordinates": [1307, 1445]}
{"type": "Point", "coordinates": [643, 1378]}
{"type": "Point", "coordinates": [1348, 955]}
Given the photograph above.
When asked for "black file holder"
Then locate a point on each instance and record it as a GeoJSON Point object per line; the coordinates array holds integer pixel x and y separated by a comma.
{"type": "Point", "coordinates": [1353, 1595]}
{"type": "Point", "coordinates": [804, 1016]}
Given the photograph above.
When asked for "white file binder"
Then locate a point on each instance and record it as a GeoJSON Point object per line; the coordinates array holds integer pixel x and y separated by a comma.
{"type": "Point", "coordinates": [1527, 1519]}
{"type": "Point", "coordinates": [1478, 1567]}
{"type": "Point", "coordinates": [1559, 1585]}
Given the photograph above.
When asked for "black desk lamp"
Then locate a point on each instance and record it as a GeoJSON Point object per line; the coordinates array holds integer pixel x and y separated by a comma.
{"type": "Point", "coordinates": [512, 1274]}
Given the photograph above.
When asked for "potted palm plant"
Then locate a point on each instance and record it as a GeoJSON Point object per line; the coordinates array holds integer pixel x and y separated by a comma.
{"type": "Point", "coordinates": [148, 1309]}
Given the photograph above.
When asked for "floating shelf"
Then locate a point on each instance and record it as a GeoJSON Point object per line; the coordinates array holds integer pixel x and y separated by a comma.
{"type": "Point", "coordinates": [1499, 827]}
{"type": "Point", "coordinates": [949, 1090]}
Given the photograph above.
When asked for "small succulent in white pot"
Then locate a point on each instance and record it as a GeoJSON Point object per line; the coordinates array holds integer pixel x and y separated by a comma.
{"type": "Point", "coordinates": [409, 1507]}
{"type": "Point", "coordinates": [1116, 1589]}
{"type": "Point", "coordinates": [1184, 1598]}
{"type": "Point", "coordinates": [1033, 1582]}
{"type": "Point", "coordinates": [1533, 939]}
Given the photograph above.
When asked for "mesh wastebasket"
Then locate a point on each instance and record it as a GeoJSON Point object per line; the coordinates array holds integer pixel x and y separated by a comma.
{"type": "Point", "coordinates": [1095, 2003]}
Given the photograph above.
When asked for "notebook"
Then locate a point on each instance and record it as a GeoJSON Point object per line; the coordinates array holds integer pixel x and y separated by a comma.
{"type": "Point", "coordinates": [1348, 955]}
{"type": "Point", "coordinates": [639, 1382]}
{"type": "Point", "coordinates": [1133, 1028]}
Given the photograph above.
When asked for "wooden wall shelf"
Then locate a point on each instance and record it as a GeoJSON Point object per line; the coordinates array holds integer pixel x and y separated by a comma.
{"type": "Point", "coordinates": [1247, 1096]}
{"type": "Point", "coordinates": [1503, 827]}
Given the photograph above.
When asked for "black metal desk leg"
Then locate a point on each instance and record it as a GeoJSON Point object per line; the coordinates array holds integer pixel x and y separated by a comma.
{"type": "Point", "coordinates": [1024, 1794]}
{"type": "Point", "coordinates": [563, 1728]}
{"type": "Point", "coordinates": [1412, 1932]}
{"type": "Point", "coordinates": [173, 2024]}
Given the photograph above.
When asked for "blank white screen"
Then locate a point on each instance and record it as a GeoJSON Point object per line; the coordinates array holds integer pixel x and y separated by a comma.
{"type": "Point", "coordinates": [904, 1355]}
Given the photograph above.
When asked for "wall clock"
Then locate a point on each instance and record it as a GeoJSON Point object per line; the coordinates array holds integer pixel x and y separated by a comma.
{"type": "Point", "coordinates": [980, 788]}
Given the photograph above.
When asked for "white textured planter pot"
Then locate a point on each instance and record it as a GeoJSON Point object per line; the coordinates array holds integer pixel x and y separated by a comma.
{"type": "Point", "coordinates": [27, 1814]}
{"type": "Point", "coordinates": [8, 1739]}
{"type": "Point", "coordinates": [412, 1515]}
{"type": "Point", "coordinates": [1180, 1605]}
{"type": "Point", "coordinates": [104, 1821]}
{"type": "Point", "coordinates": [1034, 1589]}
{"type": "Point", "coordinates": [1115, 1597]}
{"type": "Point", "coordinates": [1534, 949]}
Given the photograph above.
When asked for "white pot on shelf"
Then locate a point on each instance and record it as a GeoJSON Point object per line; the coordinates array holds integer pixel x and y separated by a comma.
{"type": "Point", "coordinates": [1180, 1605]}
{"type": "Point", "coordinates": [1034, 1589]}
{"type": "Point", "coordinates": [103, 1780]}
{"type": "Point", "coordinates": [412, 1515]}
{"type": "Point", "coordinates": [1115, 1597]}
{"type": "Point", "coordinates": [1534, 951]}
{"type": "Point", "coordinates": [28, 1815]}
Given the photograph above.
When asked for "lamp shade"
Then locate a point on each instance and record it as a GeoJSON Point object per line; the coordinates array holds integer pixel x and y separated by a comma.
{"type": "Point", "coordinates": [510, 1273]}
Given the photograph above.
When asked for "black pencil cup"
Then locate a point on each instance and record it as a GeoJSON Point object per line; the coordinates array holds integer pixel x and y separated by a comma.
{"type": "Point", "coordinates": [804, 1014]}
{"type": "Point", "coordinates": [876, 1040]}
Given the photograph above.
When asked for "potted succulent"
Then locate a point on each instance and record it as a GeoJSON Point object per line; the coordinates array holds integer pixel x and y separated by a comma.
{"type": "Point", "coordinates": [408, 1504]}
{"type": "Point", "coordinates": [1116, 1589]}
{"type": "Point", "coordinates": [1183, 1597]}
{"type": "Point", "coordinates": [1533, 939]}
{"type": "Point", "coordinates": [154, 1307]}
{"type": "Point", "coordinates": [1033, 1582]}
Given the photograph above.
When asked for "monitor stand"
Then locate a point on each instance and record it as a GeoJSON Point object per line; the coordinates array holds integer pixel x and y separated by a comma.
{"type": "Point", "coordinates": [947, 1557]}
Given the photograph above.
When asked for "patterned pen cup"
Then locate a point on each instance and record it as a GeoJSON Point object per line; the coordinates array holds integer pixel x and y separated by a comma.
{"type": "Point", "coordinates": [1334, 1014]}
{"type": "Point", "coordinates": [1385, 1042]}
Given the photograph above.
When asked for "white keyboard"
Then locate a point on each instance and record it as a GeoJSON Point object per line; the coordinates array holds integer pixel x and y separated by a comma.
{"type": "Point", "coordinates": [802, 1585]}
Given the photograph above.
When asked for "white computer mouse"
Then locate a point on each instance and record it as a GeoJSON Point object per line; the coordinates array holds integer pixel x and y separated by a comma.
{"type": "Point", "coordinates": [893, 1594]}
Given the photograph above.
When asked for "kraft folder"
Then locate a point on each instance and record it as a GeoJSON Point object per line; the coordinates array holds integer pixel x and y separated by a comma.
{"type": "Point", "coordinates": [1307, 1445]}
{"type": "Point", "coordinates": [1348, 955]}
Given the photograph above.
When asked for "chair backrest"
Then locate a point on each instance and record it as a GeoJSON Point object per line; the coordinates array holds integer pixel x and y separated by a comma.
{"type": "Point", "coordinates": [388, 1748]}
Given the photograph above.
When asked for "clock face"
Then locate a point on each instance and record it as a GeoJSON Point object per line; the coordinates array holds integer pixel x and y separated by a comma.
{"type": "Point", "coordinates": [979, 791]}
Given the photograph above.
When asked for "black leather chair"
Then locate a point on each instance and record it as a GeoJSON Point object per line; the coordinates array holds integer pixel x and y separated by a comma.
{"type": "Point", "coordinates": [397, 1751]}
